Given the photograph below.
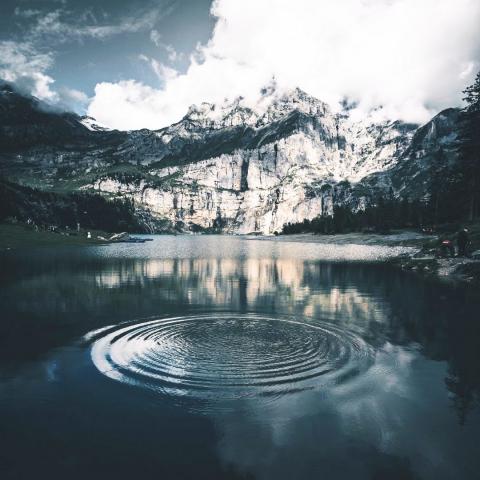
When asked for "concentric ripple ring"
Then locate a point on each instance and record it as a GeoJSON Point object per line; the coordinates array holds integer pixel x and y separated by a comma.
{"type": "Point", "coordinates": [228, 356]}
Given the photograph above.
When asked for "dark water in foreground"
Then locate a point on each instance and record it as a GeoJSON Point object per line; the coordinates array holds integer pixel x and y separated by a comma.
{"type": "Point", "coordinates": [217, 357]}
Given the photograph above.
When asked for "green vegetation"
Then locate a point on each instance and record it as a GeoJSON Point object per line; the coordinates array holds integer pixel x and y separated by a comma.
{"type": "Point", "coordinates": [383, 216]}
{"type": "Point", "coordinates": [386, 216]}
{"type": "Point", "coordinates": [126, 173]}
{"type": "Point", "coordinates": [20, 236]}
{"type": "Point", "coordinates": [468, 169]}
{"type": "Point", "coordinates": [454, 189]}
{"type": "Point", "coordinates": [46, 209]}
{"type": "Point", "coordinates": [452, 197]}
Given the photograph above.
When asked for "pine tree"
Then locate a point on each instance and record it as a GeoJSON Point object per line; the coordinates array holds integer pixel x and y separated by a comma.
{"type": "Point", "coordinates": [437, 184]}
{"type": "Point", "coordinates": [469, 148]}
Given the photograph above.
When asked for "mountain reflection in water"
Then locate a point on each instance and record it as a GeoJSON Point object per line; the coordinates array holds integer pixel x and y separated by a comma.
{"type": "Point", "coordinates": [410, 410]}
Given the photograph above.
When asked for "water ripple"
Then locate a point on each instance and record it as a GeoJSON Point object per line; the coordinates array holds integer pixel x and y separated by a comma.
{"type": "Point", "coordinates": [228, 356]}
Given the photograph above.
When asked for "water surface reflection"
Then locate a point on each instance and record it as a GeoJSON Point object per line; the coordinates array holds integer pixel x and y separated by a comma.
{"type": "Point", "coordinates": [410, 412]}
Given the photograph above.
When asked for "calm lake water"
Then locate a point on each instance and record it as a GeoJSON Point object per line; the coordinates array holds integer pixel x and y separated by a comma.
{"type": "Point", "coordinates": [204, 357]}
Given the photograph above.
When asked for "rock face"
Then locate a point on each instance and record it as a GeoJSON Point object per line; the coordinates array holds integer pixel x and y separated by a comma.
{"type": "Point", "coordinates": [232, 168]}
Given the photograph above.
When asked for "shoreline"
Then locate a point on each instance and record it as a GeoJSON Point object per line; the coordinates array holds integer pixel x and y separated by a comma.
{"type": "Point", "coordinates": [402, 238]}
{"type": "Point", "coordinates": [454, 269]}
{"type": "Point", "coordinates": [19, 236]}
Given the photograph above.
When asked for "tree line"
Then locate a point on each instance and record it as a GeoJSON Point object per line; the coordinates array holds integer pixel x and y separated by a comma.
{"type": "Point", "coordinates": [46, 209]}
{"type": "Point", "coordinates": [452, 196]}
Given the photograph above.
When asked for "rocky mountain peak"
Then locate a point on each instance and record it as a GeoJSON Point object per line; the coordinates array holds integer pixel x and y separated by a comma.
{"type": "Point", "coordinates": [293, 100]}
{"type": "Point", "coordinates": [271, 107]}
{"type": "Point", "coordinates": [223, 115]}
{"type": "Point", "coordinates": [234, 165]}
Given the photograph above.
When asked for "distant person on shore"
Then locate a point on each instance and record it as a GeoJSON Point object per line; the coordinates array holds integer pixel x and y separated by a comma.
{"type": "Point", "coordinates": [446, 248]}
{"type": "Point", "coordinates": [462, 242]}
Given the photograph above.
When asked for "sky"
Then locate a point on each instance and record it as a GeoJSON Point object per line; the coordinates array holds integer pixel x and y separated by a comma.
{"type": "Point", "coordinates": [141, 63]}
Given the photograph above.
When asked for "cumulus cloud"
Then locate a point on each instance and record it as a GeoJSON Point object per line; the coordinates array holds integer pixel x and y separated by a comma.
{"type": "Point", "coordinates": [138, 105]}
{"type": "Point", "coordinates": [409, 57]}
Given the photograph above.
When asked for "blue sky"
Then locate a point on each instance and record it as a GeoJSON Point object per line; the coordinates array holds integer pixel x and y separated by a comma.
{"type": "Point", "coordinates": [142, 63]}
{"type": "Point", "coordinates": [84, 42]}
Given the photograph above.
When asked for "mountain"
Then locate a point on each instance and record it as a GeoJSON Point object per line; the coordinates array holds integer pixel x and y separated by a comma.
{"type": "Point", "coordinates": [228, 167]}
{"type": "Point", "coordinates": [26, 122]}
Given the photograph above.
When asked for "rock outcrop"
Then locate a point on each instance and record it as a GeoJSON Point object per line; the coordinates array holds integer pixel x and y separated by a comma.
{"type": "Point", "coordinates": [230, 167]}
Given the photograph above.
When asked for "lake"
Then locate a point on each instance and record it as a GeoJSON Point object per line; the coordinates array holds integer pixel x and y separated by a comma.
{"type": "Point", "coordinates": [204, 357]}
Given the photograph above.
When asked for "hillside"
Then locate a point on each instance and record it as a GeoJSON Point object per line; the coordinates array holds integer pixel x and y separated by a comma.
{"type": "Point", "coordinates": [228, 167]}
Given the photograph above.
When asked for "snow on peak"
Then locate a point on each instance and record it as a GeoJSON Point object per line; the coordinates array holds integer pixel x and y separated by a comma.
{"type": "Point", "coordinates": [281, 105]}
{"type": "Point", "coordinates": [271, 106]}
{"type": "Point", "coordinates": [227, 114]}
{"type": "Point", "coordinates": [93, 125]}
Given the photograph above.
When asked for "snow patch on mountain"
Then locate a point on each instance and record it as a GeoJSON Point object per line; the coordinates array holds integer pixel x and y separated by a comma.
{"type": "Point", "coordinates": [93, 125]}
{"type": "Point", "coordinates": [231, 167]}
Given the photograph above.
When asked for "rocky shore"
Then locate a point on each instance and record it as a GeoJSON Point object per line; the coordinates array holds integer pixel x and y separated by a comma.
{"type": "Point", "coordinates": [462, 269]}
{"type": "Point", "coordinates": [421, 259]}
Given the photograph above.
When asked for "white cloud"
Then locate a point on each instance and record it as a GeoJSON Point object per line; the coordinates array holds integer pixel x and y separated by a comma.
{"type": "Point", "coordinates": [411, 57]}
{"type": "Point", "coordinates": [156, 37]}
{"type": "Point", "coordinates": [26, 64]}
{"type": "Point", "coordinates": [173, 55]}
{"type": "Point", "coordinates": [26, 67]}
{"type": "Point", "coordinates": [470, 68]}
{"type": "Point", "coordinates": [22, 64]}
{"type": "Point", "coordinates": [26, 13]}
{"type": "Point", "coordinates": [59, 25]}
{"type": "Point", "coordinates": [64, 25]}
{"type": "Point", "coordinates": [124, 100]}
{"type": "Point", "coordinates": [164, 73]}
{"type": "Point", "coordinates": [72, 97]}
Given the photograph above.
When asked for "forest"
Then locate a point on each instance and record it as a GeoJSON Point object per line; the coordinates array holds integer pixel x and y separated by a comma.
{"type": "Point", "coordinates": [49, 210]}
{"type": "Point", "coordinates": [452, 197]}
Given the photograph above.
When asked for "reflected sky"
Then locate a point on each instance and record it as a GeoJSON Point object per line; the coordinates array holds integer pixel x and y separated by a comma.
{"type": "Point", "coordinates": [413, 413]}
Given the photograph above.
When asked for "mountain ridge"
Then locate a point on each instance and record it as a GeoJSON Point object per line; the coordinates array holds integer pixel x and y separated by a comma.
{"type": "Point", "coordinates": [229, 167]}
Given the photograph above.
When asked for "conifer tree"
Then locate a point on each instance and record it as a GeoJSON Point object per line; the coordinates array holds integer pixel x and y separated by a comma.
{"type": "Point", "coordinates": [437, 185]}
{"type": "Point", "coordinates": [469, 148]}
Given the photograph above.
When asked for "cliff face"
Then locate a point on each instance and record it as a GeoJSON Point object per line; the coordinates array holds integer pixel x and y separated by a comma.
{"type": "Point", "coordinates": [272, 167]}
{"type": "Point", "coordinates": [247, 190]}
{"type": "Point", "coordinates": [235, 169]}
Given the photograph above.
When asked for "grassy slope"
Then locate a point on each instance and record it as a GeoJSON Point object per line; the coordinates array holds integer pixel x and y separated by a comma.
{"type": "Point", "coordinates": [20, 236]}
